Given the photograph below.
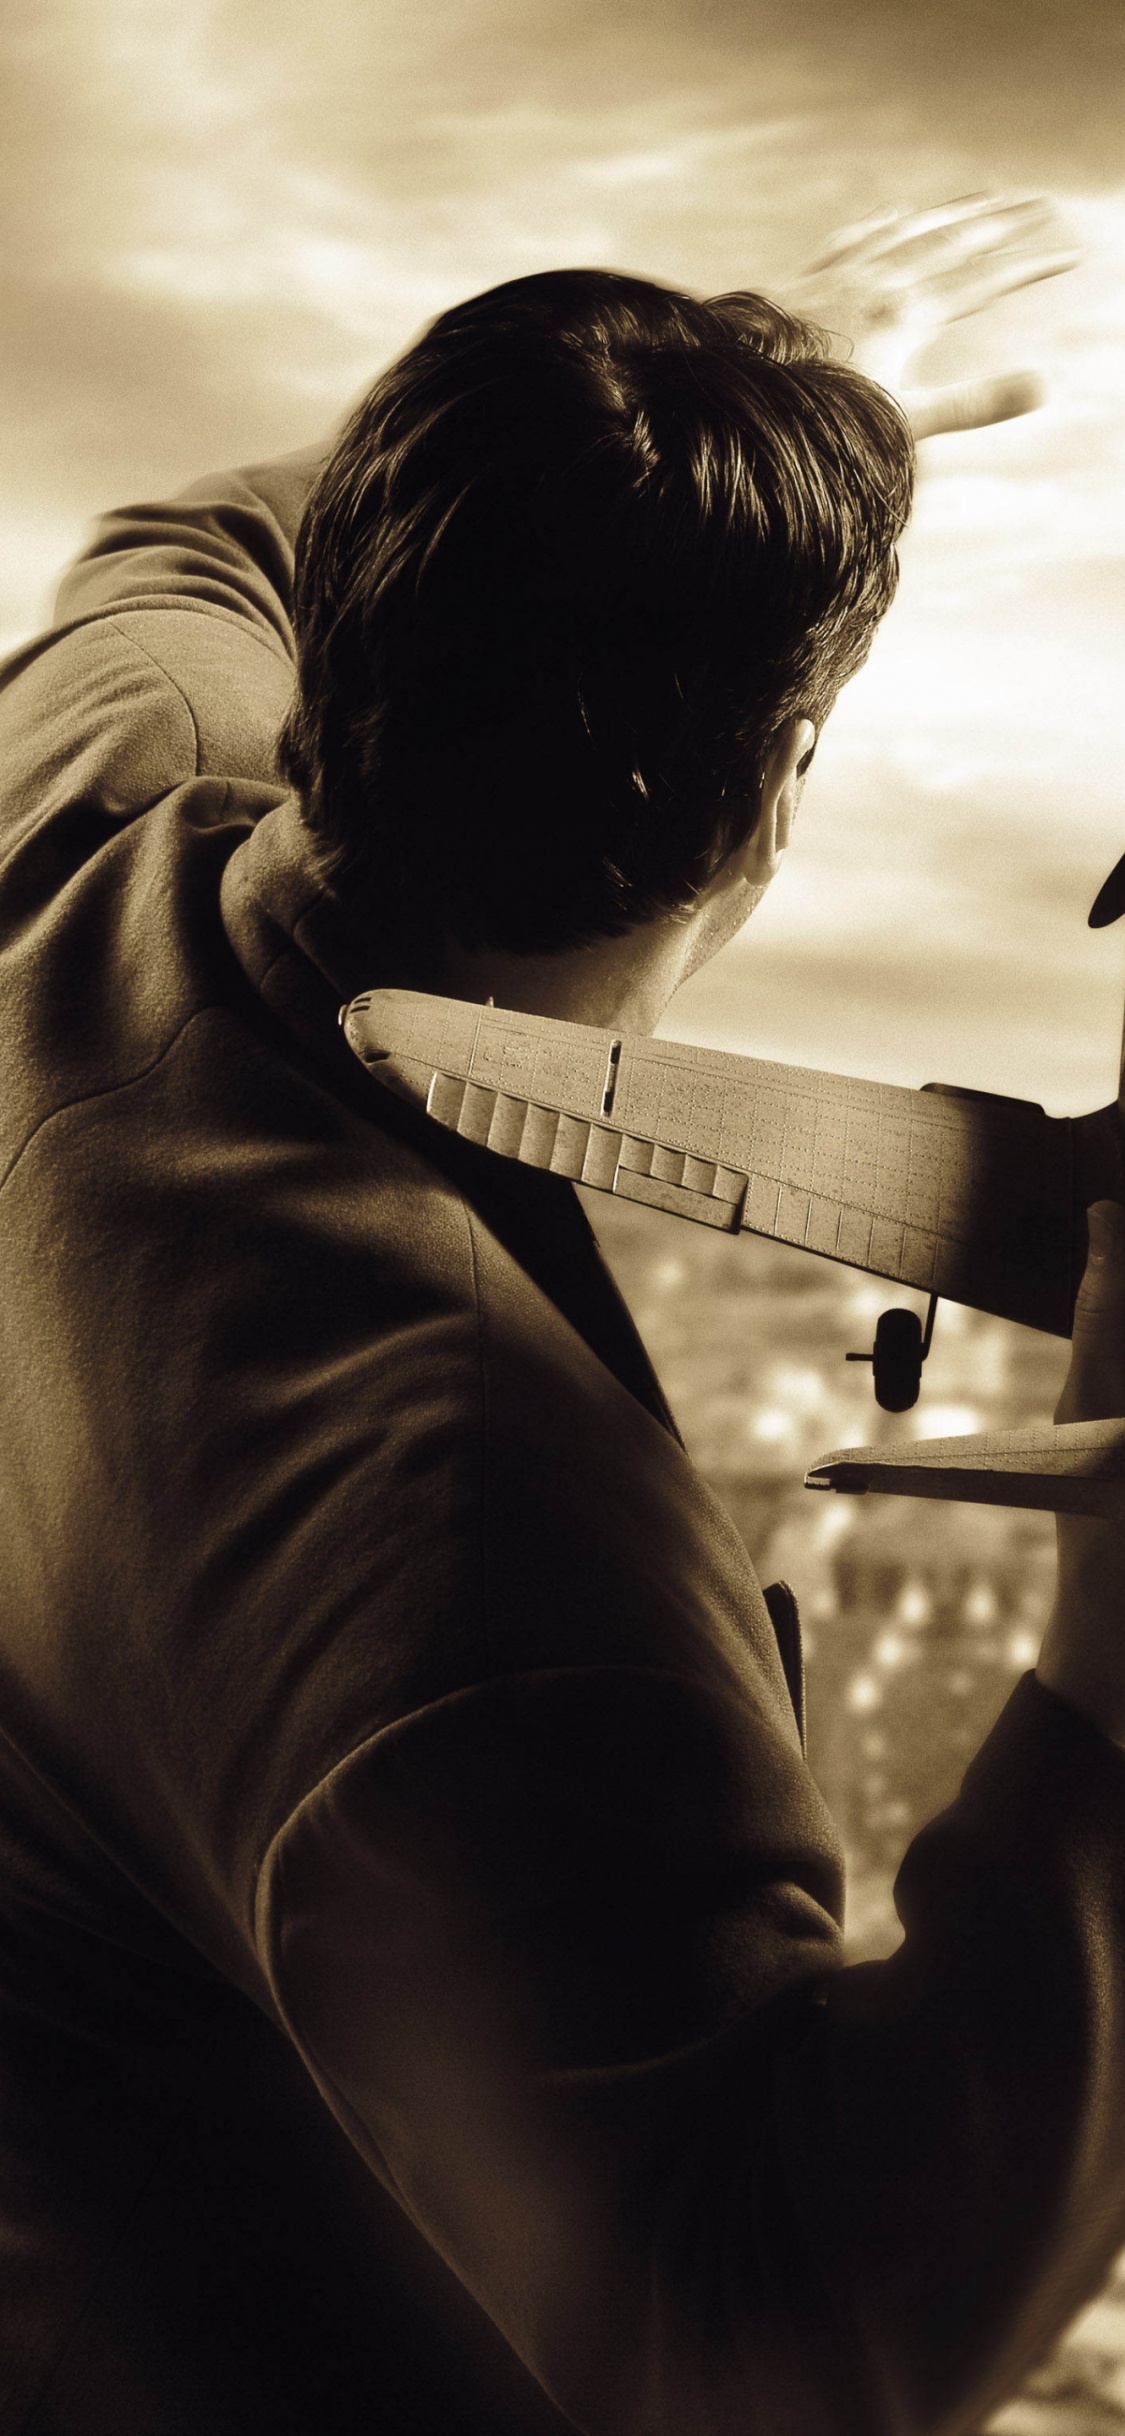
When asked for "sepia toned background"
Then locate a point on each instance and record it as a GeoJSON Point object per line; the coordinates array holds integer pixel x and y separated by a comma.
{"type": "Point", "coordinates": [220, 217]}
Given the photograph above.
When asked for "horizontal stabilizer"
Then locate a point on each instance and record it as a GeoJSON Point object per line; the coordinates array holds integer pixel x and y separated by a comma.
{"type": "Point", "coordinates": [1076, 1467]}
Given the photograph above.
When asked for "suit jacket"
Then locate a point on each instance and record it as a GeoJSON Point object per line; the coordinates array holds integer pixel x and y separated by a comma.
{"type": "Point", "coordinates": [421, 1997]}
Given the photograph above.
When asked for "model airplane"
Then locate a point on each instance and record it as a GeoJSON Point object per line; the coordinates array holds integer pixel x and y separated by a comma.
{"type": "Point", "coordinates": [967, 1195]}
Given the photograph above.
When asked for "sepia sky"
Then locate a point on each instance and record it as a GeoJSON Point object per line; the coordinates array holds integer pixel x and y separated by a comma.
{"type": "Point", "coordinates": [222, 216]}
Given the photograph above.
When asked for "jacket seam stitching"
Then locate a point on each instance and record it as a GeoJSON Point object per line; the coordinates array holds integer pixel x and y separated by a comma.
{"type": "Point", "coordinates": [150, 656]}
{"type": "Point", "coordinates": [104, 1091]}
{"type": "Point", "coordinates": [276, 1836]}
{"type": "Point", "coordinates": [165, 604]}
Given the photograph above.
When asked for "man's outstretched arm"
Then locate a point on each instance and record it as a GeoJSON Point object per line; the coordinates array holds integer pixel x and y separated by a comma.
{"type": "Point", "coordinates": [225, 543]}
{"type": "Point", "coordinates": [170, 654]}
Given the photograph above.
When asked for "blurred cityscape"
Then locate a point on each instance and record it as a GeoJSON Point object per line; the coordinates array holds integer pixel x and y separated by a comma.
{"type": "Point", "coordinates": [917, 1618]}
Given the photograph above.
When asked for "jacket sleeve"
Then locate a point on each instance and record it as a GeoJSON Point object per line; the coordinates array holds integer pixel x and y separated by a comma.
{"type": "Point", "coordinates": [226, 543]}
{"type": "Point", "coordinates": [170, 654]}
{"type": "Point", "coordinates": [600, 2046]}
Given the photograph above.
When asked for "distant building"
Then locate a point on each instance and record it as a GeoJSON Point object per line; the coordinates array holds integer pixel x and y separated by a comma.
{"type": "Point", "coordinates": [919, 1641]}
{"type": "Point", "coordinates": [918, 1617]}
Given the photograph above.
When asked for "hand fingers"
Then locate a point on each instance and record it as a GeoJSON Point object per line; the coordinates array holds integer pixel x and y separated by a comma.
{"type": "Point", "coordinates": [1095, 1384]}
{"type": "Point", "coordinates": [892, 232]}
{"type": "Point", "coordinates": [972, 405]}
{"type": "Point", "coordinates": [969, 225]}
{"type": "Point", "coordinates": [971, 233]}
{"type": "Point", "coordinates": [967, 287]}
{"type": "Point", "coordinates": [967, 230]}
{"type": "Point", "coordinates": [856, 239]}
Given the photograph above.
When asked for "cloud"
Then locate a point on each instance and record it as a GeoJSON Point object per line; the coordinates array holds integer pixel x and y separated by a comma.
{"type": "Point", "coordinates": [273, 210]}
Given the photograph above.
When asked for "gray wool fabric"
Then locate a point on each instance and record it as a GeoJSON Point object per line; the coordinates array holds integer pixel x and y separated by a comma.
{"type": "Point", "coordinates": [421, 1994]}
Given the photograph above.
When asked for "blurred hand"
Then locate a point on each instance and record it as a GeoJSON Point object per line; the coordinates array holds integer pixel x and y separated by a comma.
{"type": "Point", "coordinates": [1083, 1653]}
{"type": "Point", "coordinates": [890, 284]}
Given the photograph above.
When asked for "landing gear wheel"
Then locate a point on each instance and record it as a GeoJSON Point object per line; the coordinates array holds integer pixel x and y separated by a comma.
{"type": "Point", "coordinates": [897, 1360]}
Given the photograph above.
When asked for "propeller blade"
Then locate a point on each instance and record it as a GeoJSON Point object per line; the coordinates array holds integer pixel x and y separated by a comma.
{"type": "Point", "coordinates": [1109, 904]}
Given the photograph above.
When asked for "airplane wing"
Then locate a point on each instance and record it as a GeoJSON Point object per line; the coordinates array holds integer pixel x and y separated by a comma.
{"type": "Point", "coordinates": [966, 1195]}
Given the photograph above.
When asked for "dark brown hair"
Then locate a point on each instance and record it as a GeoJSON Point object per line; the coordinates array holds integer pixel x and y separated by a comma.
{"type": "Point", "coordinates": [576, 558]}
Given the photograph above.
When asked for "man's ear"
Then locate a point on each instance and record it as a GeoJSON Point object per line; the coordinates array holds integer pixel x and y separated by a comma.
{"type": "Point", "coordinates": [790, 754]}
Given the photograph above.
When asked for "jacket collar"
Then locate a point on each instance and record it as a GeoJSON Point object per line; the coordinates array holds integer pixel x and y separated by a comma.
{"type": "Point", "coordinates": [290, 931]}
{"type": "Point", "coordinates": [288, 928]}
{"type": "Point", "coordinates": [295, 943]}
